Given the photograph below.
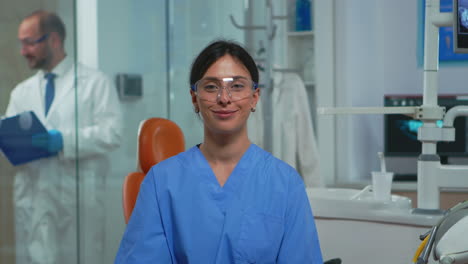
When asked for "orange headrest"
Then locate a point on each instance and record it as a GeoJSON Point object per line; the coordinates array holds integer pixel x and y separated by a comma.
{"type": "Point", "coordinates": [158, 139]}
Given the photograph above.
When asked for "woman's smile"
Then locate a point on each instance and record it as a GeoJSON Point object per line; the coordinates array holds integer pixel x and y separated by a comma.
{"type": "Point", "coordinates": [224, 113]}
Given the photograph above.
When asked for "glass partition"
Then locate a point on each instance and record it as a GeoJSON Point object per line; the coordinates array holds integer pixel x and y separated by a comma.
{"type": "Point", "coordinates": [129, 46]}
{"type": "Point", "coordinates": [38, 198]}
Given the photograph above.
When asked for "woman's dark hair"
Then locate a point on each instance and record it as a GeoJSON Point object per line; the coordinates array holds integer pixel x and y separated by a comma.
{"type": "Point", "coordinates": [216, 50]}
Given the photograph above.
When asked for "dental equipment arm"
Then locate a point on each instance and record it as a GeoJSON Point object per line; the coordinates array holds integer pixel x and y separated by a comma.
{"type": "Point", "coordinates": [432, 175]}
{"type": "Point", "coordinates": [454, 112]}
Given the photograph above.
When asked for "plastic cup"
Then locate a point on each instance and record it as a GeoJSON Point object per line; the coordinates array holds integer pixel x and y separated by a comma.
{"type": "Point", "coordinates": [382, 185]}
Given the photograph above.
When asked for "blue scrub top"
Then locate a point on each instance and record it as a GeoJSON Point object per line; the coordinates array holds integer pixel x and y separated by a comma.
{"type": "Point", "coordinates": [183, 215]}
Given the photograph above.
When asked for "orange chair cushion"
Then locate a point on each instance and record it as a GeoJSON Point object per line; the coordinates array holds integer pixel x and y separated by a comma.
{"type": "Point", "coordinates": [158, 140]}
{"type": "Point", "coordinates": [131, 187]}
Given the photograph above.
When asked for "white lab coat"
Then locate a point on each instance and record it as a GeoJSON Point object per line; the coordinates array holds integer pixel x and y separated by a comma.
{"type": "Point", "coordinates": [45, 190]}
{"type": "Point", "coordinates": [292, 132]}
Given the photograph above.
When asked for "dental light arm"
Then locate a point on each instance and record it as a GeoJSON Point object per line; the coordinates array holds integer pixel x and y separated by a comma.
{"type": "Point", "coordinates": [454, 112]}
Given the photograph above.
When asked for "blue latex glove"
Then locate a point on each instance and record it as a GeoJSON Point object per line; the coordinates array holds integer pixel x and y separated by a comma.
{"type": "Point", "coordinates": [51, 141]}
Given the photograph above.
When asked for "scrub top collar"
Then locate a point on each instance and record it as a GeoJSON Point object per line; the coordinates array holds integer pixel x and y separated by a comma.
{"type": "Point", "coordinates": [239, 172]}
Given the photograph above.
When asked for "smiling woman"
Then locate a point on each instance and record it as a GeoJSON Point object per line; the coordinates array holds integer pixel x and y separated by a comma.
{"type": "Point", "coordinates": [225, 200]}
{"type": "Point", "coordinates": [232, 106]}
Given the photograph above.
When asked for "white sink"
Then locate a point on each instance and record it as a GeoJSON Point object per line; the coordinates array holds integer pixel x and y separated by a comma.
{"type": "Point", "coordinates": [364, 196]}
{"type": "Point", "coordinates": [343, 203]}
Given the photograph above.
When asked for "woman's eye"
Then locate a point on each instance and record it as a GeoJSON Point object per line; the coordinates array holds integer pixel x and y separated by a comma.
{"type": "Point", "coordinates": [210, 88]}
{"type": "Point", "coordinates": [237, 86]}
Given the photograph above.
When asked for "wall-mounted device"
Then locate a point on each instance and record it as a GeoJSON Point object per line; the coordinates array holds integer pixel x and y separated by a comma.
{"type": "Point", "coordinates": [460, 26]}
{"type": "Point", "coordinates": [129, 86]}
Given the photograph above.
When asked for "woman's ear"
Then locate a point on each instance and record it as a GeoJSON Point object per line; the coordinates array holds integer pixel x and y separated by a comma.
{"type": "Point", "coordinates": [256, 97]}
{"type": "Point", "coordinates": [196, 108]}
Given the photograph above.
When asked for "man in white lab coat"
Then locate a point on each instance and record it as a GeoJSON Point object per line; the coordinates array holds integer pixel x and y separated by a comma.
{"type": "Point", "coordinates": [59, 200]}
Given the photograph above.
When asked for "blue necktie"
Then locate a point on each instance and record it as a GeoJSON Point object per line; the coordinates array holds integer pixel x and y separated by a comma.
{"type": "Point", "coordinates": [50, 91]}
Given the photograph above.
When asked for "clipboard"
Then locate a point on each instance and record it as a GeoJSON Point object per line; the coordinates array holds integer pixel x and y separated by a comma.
{"type": "Point", "coordinates": [16, 138]}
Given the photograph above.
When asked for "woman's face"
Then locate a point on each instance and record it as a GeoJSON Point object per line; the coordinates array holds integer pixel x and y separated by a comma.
{"type": "Point", "coordinates": [223, 115]}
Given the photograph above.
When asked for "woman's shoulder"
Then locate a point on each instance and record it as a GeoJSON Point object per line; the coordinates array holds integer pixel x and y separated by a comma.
{"type": "Point", "coordinates": [175, 166]}
{"type": "Point", "coordinates": [177, 161]}
{"type": "Point", "coordinates": [271, 161]}
{"type": "Point", "coordinates": [272, 165]}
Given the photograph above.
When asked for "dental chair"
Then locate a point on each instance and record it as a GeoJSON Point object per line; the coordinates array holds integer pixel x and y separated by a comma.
{"type": "Point", "coordinates": [448, 238]}
{"type": "Point", "coordinates": [158, 139]}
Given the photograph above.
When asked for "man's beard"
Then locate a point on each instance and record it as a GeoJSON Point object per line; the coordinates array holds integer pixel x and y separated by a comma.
{"type": "Point", "coordinates": [42, 61]}
{"type": "Point", "coordinates": [39, 64]}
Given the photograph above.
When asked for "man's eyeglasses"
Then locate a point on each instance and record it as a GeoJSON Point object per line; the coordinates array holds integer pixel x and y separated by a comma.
{"type": "Point", "coordinates": [30, 42]}
{"type": "Point", "coordinates": [237, 88]}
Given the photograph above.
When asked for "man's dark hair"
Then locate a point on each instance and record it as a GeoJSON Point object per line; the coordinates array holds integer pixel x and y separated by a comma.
{"type": "Point", "coordinates": [49, 22]}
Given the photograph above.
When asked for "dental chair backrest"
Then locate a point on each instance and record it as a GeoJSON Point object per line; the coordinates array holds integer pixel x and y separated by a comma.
{"type": "Point", "coordinates": [158, 139]}
{"type": "Point", "coordinates": [451, 238]}
{"type": "Point", "coordinates": [447, 239]}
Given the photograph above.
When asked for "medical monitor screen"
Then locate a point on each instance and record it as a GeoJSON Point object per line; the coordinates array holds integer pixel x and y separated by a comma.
{"type": "Point", "coordinates": [401, 131]}
{"type": "Point", "coordinates": [460, 26]}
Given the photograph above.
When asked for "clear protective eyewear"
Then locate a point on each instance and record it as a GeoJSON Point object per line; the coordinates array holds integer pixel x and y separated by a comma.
{"type": "Point", "coordinates": [29, 42]}
{"type": "Point", "coordinates": [237, 88]}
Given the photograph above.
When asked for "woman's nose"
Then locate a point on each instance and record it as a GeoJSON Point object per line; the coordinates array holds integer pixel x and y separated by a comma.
{"type": "Point", "coordinates": [224, 95]}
